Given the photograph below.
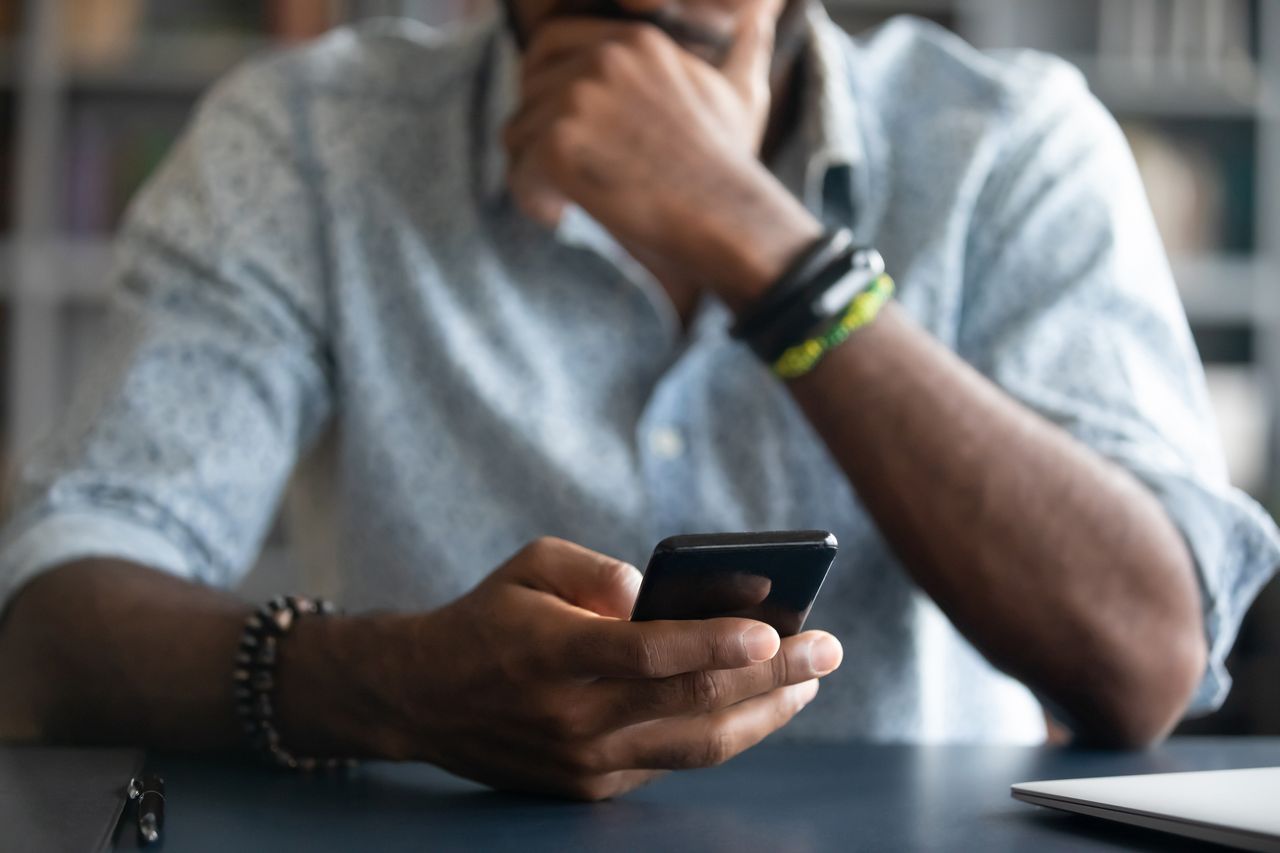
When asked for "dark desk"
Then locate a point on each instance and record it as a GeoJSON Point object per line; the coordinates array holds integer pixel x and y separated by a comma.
{"type": "Point", "coordinates": [775, 798]}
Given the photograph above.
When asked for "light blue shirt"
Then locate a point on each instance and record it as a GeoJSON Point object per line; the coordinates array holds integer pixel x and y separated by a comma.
{"type": "Point", "coordinates": [328, 281]}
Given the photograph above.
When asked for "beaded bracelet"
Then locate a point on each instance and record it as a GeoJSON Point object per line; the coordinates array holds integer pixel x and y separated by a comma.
{"type": "Point", "coordinates": [861, 311]}
{"type": "Point", "coordinates": [254, 679]}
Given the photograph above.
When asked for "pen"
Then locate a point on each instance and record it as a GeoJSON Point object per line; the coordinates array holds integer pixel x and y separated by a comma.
{"type": "Point", "coordinates": [148, 790]}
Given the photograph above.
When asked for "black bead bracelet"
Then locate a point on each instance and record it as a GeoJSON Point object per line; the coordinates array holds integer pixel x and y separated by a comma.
{"type": "Point", "coordinates": [254, 679]}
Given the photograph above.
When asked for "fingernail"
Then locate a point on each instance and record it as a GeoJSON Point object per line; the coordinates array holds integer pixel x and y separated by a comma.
{"type": "Point", "coordinates": [760, 643]}
{"type": "Point", "coordinates": [825, 655]}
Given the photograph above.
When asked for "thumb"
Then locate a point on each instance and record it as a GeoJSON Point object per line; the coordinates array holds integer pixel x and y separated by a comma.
{"type": "Point", "coordinates": [750, 56]}
{"type": "Point", "coordinates": [578, 575]}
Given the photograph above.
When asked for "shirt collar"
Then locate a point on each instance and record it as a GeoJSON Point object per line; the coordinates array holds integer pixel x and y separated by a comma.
{"type": "Point", "coordinates": [498, 92]}
{"type": "Point", "coordinates": [827, 146]}
{"type": "Point", "coordinates": [831, 145]}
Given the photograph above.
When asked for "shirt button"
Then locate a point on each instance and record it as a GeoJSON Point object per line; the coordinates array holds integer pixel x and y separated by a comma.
{"type": "Point", "coordinates": [666, 443]}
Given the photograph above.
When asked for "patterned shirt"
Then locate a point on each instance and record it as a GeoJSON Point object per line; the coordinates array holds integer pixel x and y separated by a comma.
{"type": "Point", "coordinates": [327, 286]}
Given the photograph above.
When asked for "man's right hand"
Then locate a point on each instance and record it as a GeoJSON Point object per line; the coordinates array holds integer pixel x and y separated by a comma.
{"type": "Point", "coordinates": [536, 680]}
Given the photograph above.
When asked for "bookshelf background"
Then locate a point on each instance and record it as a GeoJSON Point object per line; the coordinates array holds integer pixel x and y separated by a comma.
{"type": "Point", "coordinates": [92, 92]}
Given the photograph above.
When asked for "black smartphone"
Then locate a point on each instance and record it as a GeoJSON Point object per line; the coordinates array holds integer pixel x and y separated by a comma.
{"type": "Point", "coordinates": [772, 576]}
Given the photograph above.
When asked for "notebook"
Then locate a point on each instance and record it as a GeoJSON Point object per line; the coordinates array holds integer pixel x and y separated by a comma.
{"type": "Point", "coordinates": [58, 798]}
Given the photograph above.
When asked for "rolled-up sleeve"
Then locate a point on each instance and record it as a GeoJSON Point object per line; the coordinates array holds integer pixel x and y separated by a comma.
{"type": "Point", "coordinates": [1070, 307]}
{"type": "Point", "coordinates": [214, 374]}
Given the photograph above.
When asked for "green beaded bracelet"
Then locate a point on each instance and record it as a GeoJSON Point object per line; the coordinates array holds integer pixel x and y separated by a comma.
{"type": "Point", "coordinates": [861, 311]}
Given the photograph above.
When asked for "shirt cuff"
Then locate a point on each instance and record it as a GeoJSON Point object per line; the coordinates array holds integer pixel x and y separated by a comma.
{"type": "Point", "coordinates": [1235, 547]}
{"type": "Point", "coordinates": [57, 539]}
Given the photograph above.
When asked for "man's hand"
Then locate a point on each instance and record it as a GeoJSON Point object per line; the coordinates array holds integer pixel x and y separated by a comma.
{"type": "Point", "coordinates": [534, 681]}
{"type": "Point", "coordinates": [537, 681]}
{"type": "Point", "coordinates": [659, 146]}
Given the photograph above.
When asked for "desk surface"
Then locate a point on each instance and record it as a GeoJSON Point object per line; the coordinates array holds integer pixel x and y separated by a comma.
{"type": "Point", "coordinates": [775, 797]}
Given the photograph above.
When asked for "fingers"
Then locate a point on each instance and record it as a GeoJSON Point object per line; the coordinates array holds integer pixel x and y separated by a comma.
{"type": "Point", "coordinates": [628, 701]}
{"type": "Point", "coordinates": [601, 648]}
{"type": "Point", "coordinates": [607, 785]}
{"type": "Point", "coordinates": [530, 122]}
{"type": "Point", "coordinates": [552, 79]}
{"type": "Point", "coordinates": [750, 57]}
{"type": "Point", "coordinates": [708, 739]}
{"type": "Point", "coordinates": [578, 575]}
{"type": "Point", "coordinates": [508, 764]}
{"type": "Point", "coordinates": [547, 92]}
{"type": "Point", "coordinates": [536, 196]}
{"type": "Point", "coordinates": [571, 34]}
{"type": "Point", "coordinates": [527, 177]}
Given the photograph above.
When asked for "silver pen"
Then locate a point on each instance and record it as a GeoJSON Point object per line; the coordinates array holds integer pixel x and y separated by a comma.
{"type": "Point", "coordinates": [148, 790]}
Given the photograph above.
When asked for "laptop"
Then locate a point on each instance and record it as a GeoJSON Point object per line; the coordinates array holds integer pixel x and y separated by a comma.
{"type": "Point", "coordinates": [1240, 808]}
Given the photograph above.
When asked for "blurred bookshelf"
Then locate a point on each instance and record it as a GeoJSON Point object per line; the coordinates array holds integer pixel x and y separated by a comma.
{"type": "Point", "coordinates": [92, 93]}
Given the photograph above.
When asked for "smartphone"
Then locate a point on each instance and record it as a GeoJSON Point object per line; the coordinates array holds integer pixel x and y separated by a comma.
{"type": "Point", "coordinates": [772, 576]}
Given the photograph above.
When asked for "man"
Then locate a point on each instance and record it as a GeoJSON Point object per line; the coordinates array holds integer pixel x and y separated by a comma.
{"type": "Point", "coordinates": [483, 292]}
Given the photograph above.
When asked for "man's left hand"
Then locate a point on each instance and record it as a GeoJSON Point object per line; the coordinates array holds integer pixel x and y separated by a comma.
{"type": "Point", "coordinates": [659, 146]}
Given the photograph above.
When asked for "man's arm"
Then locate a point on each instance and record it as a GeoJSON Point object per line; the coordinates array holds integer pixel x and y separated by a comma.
{"type": "Point", "coordinates": [534, 680]}
{"type": "Point", "coordinates": [1057, 564]}
{"type": "Point", "coordinates": [217, 378]}
{"type": "Point", "coordinates": [106, 651]}
{"type": "Point", "coordinates": [212, 379]}
{"type": "Point", "coordinates": [102, 650]}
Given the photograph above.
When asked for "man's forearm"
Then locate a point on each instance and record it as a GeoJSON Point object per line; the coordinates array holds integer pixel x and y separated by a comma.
{"type": "Point", "coordinates": [533, 680]}
{"type": "Point", "coordinates": [106, 651]}
{"type": "Point", "coordinates": [110, 652]}
{"type": "Point", "coordinates": [1058, 565]}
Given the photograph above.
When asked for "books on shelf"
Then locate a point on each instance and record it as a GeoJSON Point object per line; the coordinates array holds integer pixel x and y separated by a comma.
{"type": "Point", "coordinates": [1201, 181]}
{"type": "Point", "coordinates": [1167, 35]}
{"type": "Point", "coordinates": [297, 20]}
{"type": "Point", "coordinates": [1183, 187]}
{"type": "Point", "coordinates": [113, 144]}
{"type": "Point", "coordinates": [101, 34]}
{"type": "Point", "coordinates": [9, 11]}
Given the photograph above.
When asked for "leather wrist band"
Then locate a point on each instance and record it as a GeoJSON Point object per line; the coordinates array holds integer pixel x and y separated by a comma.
{"type": "Point", "coordinates": [819, 302]}
{"type": "Point", "coordinates": [254, 679]}
{"type": "Point", "coordinates": [810, 297]}
{"type": "Point", "coordinates": [809, 263]}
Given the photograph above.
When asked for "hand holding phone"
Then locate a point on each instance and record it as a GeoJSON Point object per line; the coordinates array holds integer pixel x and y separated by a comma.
{"type": "Point", "coordinates": [773, 577]}
{"type": "Point", "coordinates": [536, 680]}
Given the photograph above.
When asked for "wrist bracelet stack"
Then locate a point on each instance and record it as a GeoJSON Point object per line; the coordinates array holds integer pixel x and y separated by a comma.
{"type": "Point", "coordinates": [254, 679]}
{"type": "Point", "coordinates": [832, 289]}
